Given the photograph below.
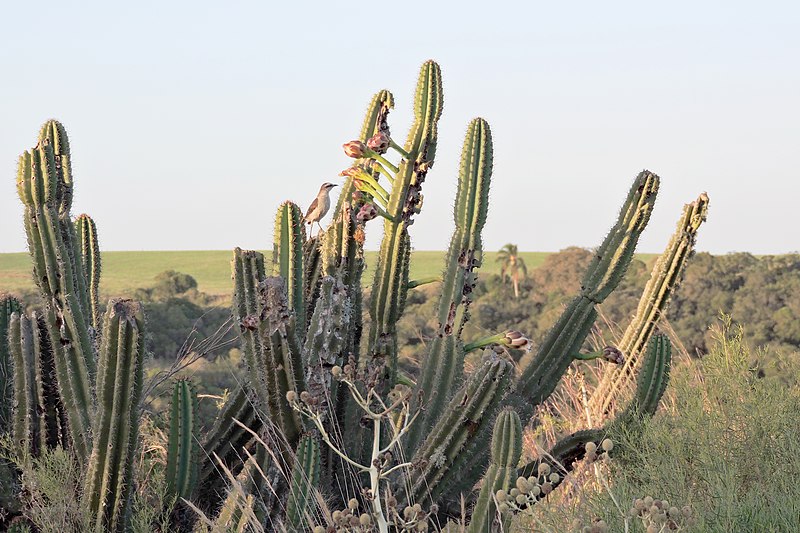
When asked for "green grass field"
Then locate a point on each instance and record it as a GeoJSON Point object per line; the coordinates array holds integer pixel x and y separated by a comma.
{"type": "Point", "coordinates": [125, 271]}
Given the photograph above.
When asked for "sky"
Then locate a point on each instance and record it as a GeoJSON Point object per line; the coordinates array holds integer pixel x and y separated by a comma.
{"type": "Point", "coordinates": [190, 122]}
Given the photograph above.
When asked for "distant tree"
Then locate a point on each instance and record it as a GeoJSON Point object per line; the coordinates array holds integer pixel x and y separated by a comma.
{"type": "Point", "coordinates": [512, 266]}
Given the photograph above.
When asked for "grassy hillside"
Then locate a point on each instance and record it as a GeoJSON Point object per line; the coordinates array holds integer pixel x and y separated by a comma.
{"type": "Point", "coordinates": [125, 271]}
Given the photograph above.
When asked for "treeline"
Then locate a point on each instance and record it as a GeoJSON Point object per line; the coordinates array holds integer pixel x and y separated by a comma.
{"type": "Point", "coordinates": [760, 293]}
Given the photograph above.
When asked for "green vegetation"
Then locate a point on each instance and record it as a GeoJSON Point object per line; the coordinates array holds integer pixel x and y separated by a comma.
{"type": "Point", "coordinates": [124, 272]}
{"type": "Point", "coordinates": [725, 445]}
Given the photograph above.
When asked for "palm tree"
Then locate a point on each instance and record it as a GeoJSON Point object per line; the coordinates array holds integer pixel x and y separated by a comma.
{"type": "Point", "coordinates": [512, 266]}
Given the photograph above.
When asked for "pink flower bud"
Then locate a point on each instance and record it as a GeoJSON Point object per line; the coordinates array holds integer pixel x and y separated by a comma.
{"type": "Point", "coordinates": [355, 149]}
{"type": "Point", "coordinates": [518, 341]}
{"type": "Point", "coordinates": [379, 143]}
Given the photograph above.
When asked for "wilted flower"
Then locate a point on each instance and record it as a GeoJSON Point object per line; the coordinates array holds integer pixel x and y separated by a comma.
{"type": "Point", "coordinates": [613, 355]}
{"type": "Point", "coordinates": [367, 212]}
{"type": "Point", "coordinates": [515, 339]}
{"type": "Point", "coordinates": [379, 143]}
{"type": "Point", "coordinates": [355, 149]}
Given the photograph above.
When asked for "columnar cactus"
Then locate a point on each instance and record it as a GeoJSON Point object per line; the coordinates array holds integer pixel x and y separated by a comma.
{"type": "Point", "coordinates": [313, 412]}
{"type": "Point", "coordinates": [664, 279]}
{"type": "Point", "coordinates": [44, 184]}
{"type": "Point", "coordinates": [109, 482]}
{"type": "Point", "coordinates": [8, 306]}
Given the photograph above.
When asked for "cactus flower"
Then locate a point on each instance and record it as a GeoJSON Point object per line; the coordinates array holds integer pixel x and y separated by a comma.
{"type": "Point", "coordinates": [355, 149]}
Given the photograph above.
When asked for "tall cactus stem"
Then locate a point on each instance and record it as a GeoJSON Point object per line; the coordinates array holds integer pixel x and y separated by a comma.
{"type": "Point", "coordinates": [109, 480]}
{"type": "Point", "coordinates": [443, 366]}
{"type": "Point", "coordinates": [58, 272]}
{"type": "Point", "coordinates": [182, 449]}
{"type": "Point", "coordinates": [305, 476]}
{"type": "Point", "coordinates": [391, 274]}
{"type": "Point", "coordinates": [611, 260]}
{"type": "Point", "coordinates": [664, 280]}
{"type": "Point", "coordinates": [90, 254]}
{"type": "Point", "coordinates": [506, 451]}
{"type": "Point", "coordinates": [8, 306]}
{"type": "Point", "coordinates": [288, 243]}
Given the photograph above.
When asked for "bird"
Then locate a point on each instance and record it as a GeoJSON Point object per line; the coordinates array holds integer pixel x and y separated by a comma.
{"type": "Point", "coordinates": [320, 206]}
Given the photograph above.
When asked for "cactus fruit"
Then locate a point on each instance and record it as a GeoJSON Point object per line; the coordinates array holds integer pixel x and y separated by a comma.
{"type": "Point", "coordinates": [109, 482]}
{"type": "Point", "coordinates": [506, 451]}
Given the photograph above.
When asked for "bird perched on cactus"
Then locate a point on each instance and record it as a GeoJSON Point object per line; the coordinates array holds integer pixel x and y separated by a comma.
{"type": "Point", "coordinates": [320, 206]}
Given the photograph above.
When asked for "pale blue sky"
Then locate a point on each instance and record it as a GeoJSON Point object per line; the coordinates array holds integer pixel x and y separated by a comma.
{"type": "Point", "coordinates": [191, 121]}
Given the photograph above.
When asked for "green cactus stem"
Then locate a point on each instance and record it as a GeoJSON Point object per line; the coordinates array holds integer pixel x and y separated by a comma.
{"type": "Point", "coordinates": [58, 272]}
{"type": "Point", "coordinates": [226, 441]}
{"type": "Point", "coordinates": [288, 243]}
{"type": "Point", "coordinates": [269, 341]}
{"type": "Point", "coordinates": [506, 451]}
{"type": "Point", "coordinates": [442, 368]}
{"type": "Point", "coordinates": [182, 450]}
{"type": "Point", "coordinates": [391, 274]}
{"type": "Point", "coordinates": [664, 280]}
{"type": "Point", "coordinates": [305, 476]}
{"type": "Point", "coordinates": [463, 428]}
{"type": "Point", "coordinates": [540, 377]}
{"type": "Point", "coordinates": [8, 306]}
{"type": "Point", "coordinates": [28, 429]}
{"type": "Point", "coordinates": [109, 481]}
{"type": "Point", "coordinates": [90, 254]}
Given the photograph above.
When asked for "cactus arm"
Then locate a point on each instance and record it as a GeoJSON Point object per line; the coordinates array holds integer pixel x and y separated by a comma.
{"type": "Point", "coordinates": [225, 441]}
{"type": "Point", "coordinates": [540, 377]}
{"type": "Point", "coordinates": [506, 451]}
{"type": "Point", "coordinates": [391, 275]}
{"type": "Point", "coordinates": [27, 429]}
{"type": "Point", "coordinates": [464, 424]}
{"type": "Point", "coordinates": [8, 306]}
{"type": "Point", "coordinates": [664, 280]}
{"type": "Point", "coordinates": [90, 254]}
{"type": "Point", "coordinates": [442, 367]}
{"type": "Point", "coordinates": [305, 476]}
{"type": "Point", "coordinates": [109, 482]}
{"type": "Point", "coordinates": [181, 471]}
{"type": "Point", "coordinates": [267, 330]}
{"type": "Point", "coordinates": [288, 243]}
{"type": "Point", "coordinates": [56, 273]}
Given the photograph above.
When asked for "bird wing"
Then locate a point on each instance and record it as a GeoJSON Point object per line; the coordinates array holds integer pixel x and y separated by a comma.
{"type": "Point", "coordinates": [311, 208]}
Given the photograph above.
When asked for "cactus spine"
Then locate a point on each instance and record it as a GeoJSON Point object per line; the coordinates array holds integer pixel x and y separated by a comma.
{"type": "Point", "coordinates": [109, 482]}
{"type": "Point", "coordinates": [182, 451]}
{"type": "Point", "coordinates": [90, 254]}
{"type": "Point", "coordinates": [664, 279]}
{"type": "Point", "coordinates": [305, 476]}
{"type": "Point", "coordinates": [506, 451]}
{"type": "Point", "coordinates": [442, 368]}
{"type": "Point", "coordinates": [44, 185]}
